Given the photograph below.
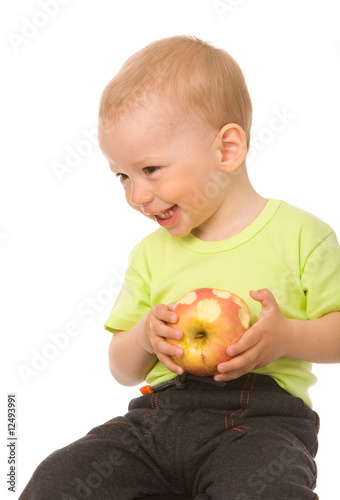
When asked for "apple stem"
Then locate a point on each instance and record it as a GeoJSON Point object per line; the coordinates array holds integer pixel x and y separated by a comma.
{"type": "Point", "coordinates": [199, 335]}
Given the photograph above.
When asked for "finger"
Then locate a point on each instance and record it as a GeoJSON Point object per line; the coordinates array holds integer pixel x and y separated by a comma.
{"type": "Point", "coordinates": [250, 338]}
{"type": "Point", "coordinates": [264, 296]}
{"type": "Point", "coordinates": [163, 330]}
{"type": "Point", "coordinates": [160, 345]}
{"type": "Point", "coordinates": [163, 313]}
{"type": "Point", "coordinates": [171, 306]}
{"type": "Point", "coordinates": [243, 363]}
{"type": "Point", "coordinates": [169, 363]}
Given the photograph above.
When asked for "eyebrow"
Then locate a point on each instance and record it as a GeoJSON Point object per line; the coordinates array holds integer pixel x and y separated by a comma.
{"type": "Point", "coordinates": [147, 161]}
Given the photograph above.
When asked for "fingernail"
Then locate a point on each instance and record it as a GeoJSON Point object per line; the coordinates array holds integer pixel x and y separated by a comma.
{"type": "Point", "coordinates": [230, 351]}
{"type": "Point", "coordinates": [179, 353]}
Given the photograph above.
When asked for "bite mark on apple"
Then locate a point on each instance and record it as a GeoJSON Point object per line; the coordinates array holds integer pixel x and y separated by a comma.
{"type": "Point", "coordinates": [208, 310]}
{"type": "Point", "coordinates": [243, 313]}
{"type": "Point", "coordinates": [189, 298]}
{"type": "Point", "coordinates": [222, 294]}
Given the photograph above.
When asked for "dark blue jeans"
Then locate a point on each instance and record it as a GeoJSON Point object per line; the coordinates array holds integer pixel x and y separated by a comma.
{"type": "Point", "coordinates": [238, 440]}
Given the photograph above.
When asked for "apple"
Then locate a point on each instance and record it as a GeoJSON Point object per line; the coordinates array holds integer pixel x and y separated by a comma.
{"type": "Point", "coordinates": [211, 320]}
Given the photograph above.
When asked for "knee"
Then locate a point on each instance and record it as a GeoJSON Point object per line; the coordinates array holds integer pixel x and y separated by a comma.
{"type": "Point", "coordinates": [45, 479]}
{"type": "Point", "coordinates": [72, 473]}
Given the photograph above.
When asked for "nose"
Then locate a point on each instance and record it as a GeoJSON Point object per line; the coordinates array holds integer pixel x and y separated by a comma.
{"type": "Point", "coordinates": [140, 195]}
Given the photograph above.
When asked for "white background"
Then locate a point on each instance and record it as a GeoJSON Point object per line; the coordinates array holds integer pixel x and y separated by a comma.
{"type": "Point", "coordinates": [64, 240]}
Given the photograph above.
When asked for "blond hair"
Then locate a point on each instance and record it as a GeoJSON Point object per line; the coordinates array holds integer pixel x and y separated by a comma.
{"type": "Point", "coordinates": [202, 80]}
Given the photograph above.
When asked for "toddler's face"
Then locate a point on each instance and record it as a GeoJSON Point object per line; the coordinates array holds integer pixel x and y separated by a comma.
{"type": "Point", "coordinates": [168, 168]}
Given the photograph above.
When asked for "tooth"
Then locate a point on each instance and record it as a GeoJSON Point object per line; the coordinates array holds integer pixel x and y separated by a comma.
{"type": "Point", "coordinates": [166, 213]}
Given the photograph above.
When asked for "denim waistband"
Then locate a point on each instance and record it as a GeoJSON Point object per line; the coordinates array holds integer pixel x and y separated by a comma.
{"type": "Point", "coordinates": [250, 379]}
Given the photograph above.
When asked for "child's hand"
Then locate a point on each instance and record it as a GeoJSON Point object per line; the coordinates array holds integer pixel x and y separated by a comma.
{"type": "Point", "coordinates": [263, 343]}
{"type": "Point", "coordinates": [155, 332]}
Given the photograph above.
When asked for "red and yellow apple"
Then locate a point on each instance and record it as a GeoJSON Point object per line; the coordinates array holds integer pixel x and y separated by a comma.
{"type": "Point", "coordinates": [211, 320]}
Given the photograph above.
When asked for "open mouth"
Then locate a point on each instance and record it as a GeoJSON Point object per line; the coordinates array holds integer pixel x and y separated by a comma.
{"type": "Point", "coordinates": [167, 217]}
{"type": "Point", "coordinates": [166, 214]}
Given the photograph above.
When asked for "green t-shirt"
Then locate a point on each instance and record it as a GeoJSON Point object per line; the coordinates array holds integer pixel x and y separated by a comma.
{"type": "Point", "coordinates": [285, 249]}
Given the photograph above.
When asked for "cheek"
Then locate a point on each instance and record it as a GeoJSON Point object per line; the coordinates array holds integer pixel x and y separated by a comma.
{"type": "Point", "coordinates": [195, 195]}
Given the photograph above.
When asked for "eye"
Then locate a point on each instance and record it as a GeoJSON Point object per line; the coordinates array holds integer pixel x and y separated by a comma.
{"type": "Point", "coordinates": [150, 170]}
{"type": "Point", "coordinates": [121, 177]}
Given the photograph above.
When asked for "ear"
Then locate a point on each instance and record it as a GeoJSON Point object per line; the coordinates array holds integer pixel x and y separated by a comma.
{"type": "Point", "coordinates": [232, 146]}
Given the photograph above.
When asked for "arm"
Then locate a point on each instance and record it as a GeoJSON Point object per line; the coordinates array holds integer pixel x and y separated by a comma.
{"type": "Point", "coordinates": [132, 354]}
{"type": "Point", "coordinates": [274, 336]}
{"type": "Point", "coordinates": [317, 340]}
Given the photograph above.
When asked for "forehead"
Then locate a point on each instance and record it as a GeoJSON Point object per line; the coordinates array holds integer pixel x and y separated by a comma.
{"type": "Point", "coordinates": [154, 116]}
{"type": "Point", "coordinates": [150, 130]}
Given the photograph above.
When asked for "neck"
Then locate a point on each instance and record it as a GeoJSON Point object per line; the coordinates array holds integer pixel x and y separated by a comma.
{"type": "Point", "coordinates": [239, 208]}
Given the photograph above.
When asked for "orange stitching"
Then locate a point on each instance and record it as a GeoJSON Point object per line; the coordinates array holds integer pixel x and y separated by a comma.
{"type": "Point", "coordinates": [290, 441]}
{"type": "Point", "coordinates": [121, 422]}
{"type": "Point", "coordinates": [145, 419]}
{"type": "Point", "coordinates": [146, 416]}
{"type": "Point", "coordinates": [241, 400]}
{"type": "Point", "coordinates": [238, 428]}
{"type": "Point", "coordinates": [154, 400]}
{"type": "Point", "coordinates": [248, 395]}
{"type": "Point", "coordinates": [154, 405]}
{"type": "Point", "coordinates": [241, 397]}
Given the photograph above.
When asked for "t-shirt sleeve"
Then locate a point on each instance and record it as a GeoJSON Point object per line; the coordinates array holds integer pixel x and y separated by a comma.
{"type": "Point", "coordinates": [321, 278]}
{"type": "Point", "coordinates": [133, 300]}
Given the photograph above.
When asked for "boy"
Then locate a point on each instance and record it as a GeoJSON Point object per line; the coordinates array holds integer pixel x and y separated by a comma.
{"type": "Point", "coordinates": [174, 125]}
